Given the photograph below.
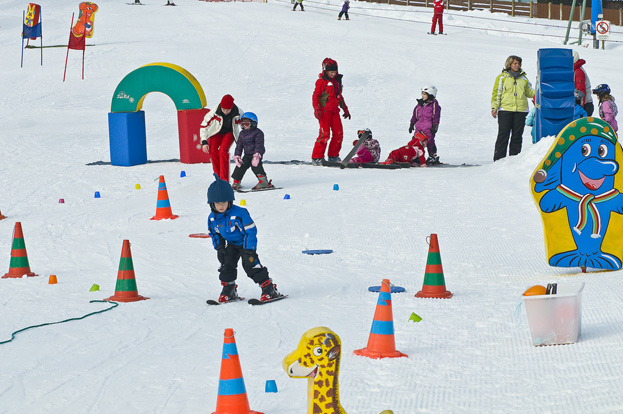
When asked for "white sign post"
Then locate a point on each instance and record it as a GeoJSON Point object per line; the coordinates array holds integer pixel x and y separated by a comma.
{"type": "Point", "coordinates": [602, 31]}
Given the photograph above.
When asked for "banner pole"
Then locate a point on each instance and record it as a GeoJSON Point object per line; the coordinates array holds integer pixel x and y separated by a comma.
{"type": "Point", "coordinates": [67, 57]}
{"type": "Point", "coordinates": [23, 20]}
{"type": "Point", "coordinates": [41, 29]}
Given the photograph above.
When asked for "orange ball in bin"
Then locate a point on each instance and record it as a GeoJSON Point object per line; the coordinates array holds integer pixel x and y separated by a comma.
{"type": "Point", "coordinates": [535, 290]}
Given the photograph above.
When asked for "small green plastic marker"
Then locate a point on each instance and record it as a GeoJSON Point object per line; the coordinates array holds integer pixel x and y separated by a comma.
{"type": "Point", "coordinates": [95, 288]}
{"type": "Point", "coordinates": [415, 317]}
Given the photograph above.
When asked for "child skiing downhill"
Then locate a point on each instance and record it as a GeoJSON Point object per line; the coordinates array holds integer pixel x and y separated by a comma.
{"type": "Point", "coordinates": [607, 108]}
{"type": "Point", "coordinates": [234, 235]}
{"type": "Point", "coordinates": [426, 115]}
{"type": "Point", "coordinates": [438, 6]}
{"type": "Point", "coordinates": [251, 140]}
{"type": "Point", "coordinates": [344, 11]}
{"type": "Point", "coordinates": [327, 100]}
{"type": "Point", "coordinates": [412, 153]}
{"type": "Point", "coordinates": [369, 150]}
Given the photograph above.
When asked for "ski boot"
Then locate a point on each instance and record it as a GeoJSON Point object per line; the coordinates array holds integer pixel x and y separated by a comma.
{"type": "Point", "coordinates": [229, 292]}
{"type": "Point", "coordinates": [339, 18]}
{"type": "Point", "coordinates": [263, 184]}
{"type": "Point", "coordinates": [236, 185]}
{"type": "Point", "coordinates": [433, 160]}
{"type": "Point", "coordinates": [269, 291]}
{"type": "Point", "coordinates": [317, 161]}
{"type": "Point", "coordinates": [335, 159]}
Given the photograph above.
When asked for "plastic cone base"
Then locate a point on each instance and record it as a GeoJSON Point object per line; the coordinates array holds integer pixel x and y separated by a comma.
{"type": "Point", "coordinates": [171, 217]}
{"type": "Point", "coordinates": [16, 275]}
{"type": "Point", "coordinates": [2, 217]}
{"type": "Point", "coordinates": [116, 298]}
{"type": "Point", "coordinates": [378, 354]}
{"type": "Point", "coordinates": [446, 294]}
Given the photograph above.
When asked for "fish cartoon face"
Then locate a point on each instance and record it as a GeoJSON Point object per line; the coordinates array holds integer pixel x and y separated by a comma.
{"type": "Point", "coordinates": [588, 166]}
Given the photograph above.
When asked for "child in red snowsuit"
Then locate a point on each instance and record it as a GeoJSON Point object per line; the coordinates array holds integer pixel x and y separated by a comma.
{"type": "Point", "coordinates": [327, 100]}
{"type": "Point", "coordinates": [437, 16]}
{"type": "Point", "coordinates": [412, 153]}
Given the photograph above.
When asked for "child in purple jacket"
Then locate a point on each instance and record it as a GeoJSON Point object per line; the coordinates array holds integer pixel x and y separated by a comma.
{"type": "Point", "coordinates": [251, 140]}
{"type": "Point", "coordinates": [344, 11]}
{"type": "Point", "coordinates": [425, 119]}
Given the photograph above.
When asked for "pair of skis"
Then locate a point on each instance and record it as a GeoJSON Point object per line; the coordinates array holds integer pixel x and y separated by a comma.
{"type": "Point", "coordinates": [252, 302]}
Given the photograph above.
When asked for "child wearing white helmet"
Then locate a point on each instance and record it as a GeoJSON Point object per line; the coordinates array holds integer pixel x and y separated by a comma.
{"type": "Point", "coordinates": [425, 119]}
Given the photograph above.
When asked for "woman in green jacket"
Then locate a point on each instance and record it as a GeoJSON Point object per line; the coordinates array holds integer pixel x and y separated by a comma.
{"type": "Point", "coordinates": [509, 104]}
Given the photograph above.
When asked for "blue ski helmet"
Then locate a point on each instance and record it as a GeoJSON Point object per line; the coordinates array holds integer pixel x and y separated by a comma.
{"type": "Point", "coordinates": [220, 191]}
{"type": "Point", "coordinates": [602, 89]}
{"type": "Point", "coordinates": [250, 117]}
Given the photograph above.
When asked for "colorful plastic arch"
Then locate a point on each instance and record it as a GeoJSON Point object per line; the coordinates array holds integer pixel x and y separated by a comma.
{"type": "Point", "coordinates": [126, 120]}
{"type": "Point", "coordinates": [175, 82]}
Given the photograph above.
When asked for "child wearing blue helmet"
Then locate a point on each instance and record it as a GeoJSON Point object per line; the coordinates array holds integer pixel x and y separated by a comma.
{"type": "Point", "coordinates": [234, 235]}
{"type": "Point", "coordinates": [251, 140]}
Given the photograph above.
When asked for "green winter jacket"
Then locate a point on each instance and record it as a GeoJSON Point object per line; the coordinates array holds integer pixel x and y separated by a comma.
{"type": "Point", "coordinates": [510, 94]}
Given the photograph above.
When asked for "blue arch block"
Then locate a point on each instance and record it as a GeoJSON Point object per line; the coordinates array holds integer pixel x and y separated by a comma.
{"type": "Point", "coordinates": [128, 143]}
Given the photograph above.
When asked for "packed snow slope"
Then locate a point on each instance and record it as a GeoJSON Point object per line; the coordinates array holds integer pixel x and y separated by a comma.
{"type": "Point", "coordinates": [469, 354]}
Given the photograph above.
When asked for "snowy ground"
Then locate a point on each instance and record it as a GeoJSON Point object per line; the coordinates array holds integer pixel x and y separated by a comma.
{"type": "Point", "coordinates": [469, 354]}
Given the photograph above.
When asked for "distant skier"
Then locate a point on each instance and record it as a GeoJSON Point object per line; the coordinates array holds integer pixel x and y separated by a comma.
{"type": "Point", "coordinates": [412, 153]}
{"type": "Point", "coordinates": [234, 235]}
{"type": "Point", "coordinates": [426, 116]}
{"type": "Point", "coordinates": [438, 6]}
{"type": "Point", "coordinates": [369, 150]}
{"type": "Point", "coordinates": [298, 3]}
{"type": "Point", "coordinates": [327, 100]}
{"type": "Point", "coordinates": [344, 11]}
{"type": "Point", "coordinates": [251, 140]}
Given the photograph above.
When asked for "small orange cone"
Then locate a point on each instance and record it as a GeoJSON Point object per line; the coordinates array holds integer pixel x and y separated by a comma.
{"type": "Point", "coordinates": [19, 265]}
{"type": "Point", "coordinates": [163, 206]}
{"type": "Point", "coordinates": [52, 280]}
{"type": "Point", "coordinates": [232, 394]}
{"type": "Point", "coordinates": [1, 216]}
{"type": "Point", "coordinates": [434, 282]}
{"type": "Point", "coordinates": [381, 343]}
{"type": "Point", "coordinates": [126, 290]}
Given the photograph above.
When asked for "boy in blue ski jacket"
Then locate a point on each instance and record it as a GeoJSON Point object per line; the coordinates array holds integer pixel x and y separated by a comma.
{"type": "Point", "coordinates": [234, 235]}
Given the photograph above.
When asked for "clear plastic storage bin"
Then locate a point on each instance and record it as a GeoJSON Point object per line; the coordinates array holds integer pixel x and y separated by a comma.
{"type": "Point", "coordinates": [555, 319]}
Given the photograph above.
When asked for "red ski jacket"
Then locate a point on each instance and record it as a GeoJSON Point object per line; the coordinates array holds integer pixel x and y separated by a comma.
{"type": "Point", "coordinates": [328, 94]}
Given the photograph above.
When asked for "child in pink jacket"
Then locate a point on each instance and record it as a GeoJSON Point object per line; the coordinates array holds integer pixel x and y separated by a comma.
{"type": "Point", "coordinates": [369, 151]}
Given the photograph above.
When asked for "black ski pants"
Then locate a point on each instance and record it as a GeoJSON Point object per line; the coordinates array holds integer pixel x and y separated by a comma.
{"type": "Point", "coordinates": [246, 163]}
{"type": "Point", "coordinates": [296, 3]}
{"type": "Point", "coordinates": [510, 125]}
{"type": "Point", "coordinates": [589, 108]}
{"type": "Point", "coordinates": [229, 256]}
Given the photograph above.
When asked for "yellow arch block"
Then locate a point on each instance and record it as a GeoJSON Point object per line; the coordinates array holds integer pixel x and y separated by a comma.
{"type": "Point", "coordinates": [172, 80]}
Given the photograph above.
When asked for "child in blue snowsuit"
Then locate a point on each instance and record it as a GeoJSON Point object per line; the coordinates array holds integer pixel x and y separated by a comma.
{"type": "Point", "coordinates": [344, 11]}
{"type": "Point", "coordinates": [579, 111]}
{"type": "Point", "coordinates": [234, 235]}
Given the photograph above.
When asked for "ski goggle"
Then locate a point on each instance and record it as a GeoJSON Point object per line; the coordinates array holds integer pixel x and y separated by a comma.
{"type": "Point", "coordinates": [246, 123]}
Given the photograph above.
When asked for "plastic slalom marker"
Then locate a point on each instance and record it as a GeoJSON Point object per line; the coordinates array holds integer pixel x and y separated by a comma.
{"type": "Point", "coordinates": [1, 216]}
{"type": "Point", "coordinates": [232, 394]}
{"type": "Point", "coordinates": [381, 343]}
{"type": "Point", "coordinates": [434, 282]}
{"type": "Point", "coordinates": [19, 265]}
{"type": "Point", "coordinates": [126, 290]}
{"type": "Point", "coordinates": [163, 206]}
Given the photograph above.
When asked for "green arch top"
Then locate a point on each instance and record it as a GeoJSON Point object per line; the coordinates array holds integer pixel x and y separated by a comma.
{"type": "Point", "coordinates": [175, 82]}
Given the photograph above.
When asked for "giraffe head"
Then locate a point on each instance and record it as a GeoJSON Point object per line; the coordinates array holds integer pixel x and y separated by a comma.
{"type": "Point", "coordinates": [317, 358]}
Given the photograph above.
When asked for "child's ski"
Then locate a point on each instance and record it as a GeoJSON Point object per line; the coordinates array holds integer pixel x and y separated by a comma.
{"type": "Point", "coordinates": [255, 302]}
{"type": "Point", "coordinates": [215, 302]}
{"type": "Point", "coordinates": [257, 190]}
{"type": "Point", "coordinates": [326, 163]}
{"type": "Point", "coordinates": [353, 151]}
{"type": "Point", "coordinates": [393, 166]}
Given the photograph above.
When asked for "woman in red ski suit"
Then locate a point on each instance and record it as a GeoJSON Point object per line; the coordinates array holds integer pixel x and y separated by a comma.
{"type": "Point", "coordinates": [327, 100]}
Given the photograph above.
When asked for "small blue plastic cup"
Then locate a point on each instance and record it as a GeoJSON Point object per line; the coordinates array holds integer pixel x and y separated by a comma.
{"type": "Point", "coordinates": [336, 187]}
{"type": "Point", "coordinates": [271, 386]}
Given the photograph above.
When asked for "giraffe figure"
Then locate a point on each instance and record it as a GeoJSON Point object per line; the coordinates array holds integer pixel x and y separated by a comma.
{"type": "Point", "coordinates": [317, 358]}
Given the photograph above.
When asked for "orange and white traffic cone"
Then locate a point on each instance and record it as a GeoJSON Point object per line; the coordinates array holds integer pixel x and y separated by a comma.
{"type": "Point", "coordinates": [19, 265]}
{"type": "Point", "coordinates": [381, 343]}
{"type": "Point", "coordinates": [126, 290]}
{"type": "Point", "coordinates": [163, 206]}
{"type": "Point", "coordinates": [2, 217]}
{"type": "Point", "coordinates": [232, 394]}
{"type": "Point", "coordinates": [434, 282]}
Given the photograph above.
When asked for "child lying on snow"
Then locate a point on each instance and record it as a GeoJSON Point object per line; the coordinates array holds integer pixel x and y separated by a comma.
{"type": "Point", "coordinates": [412, 153]}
